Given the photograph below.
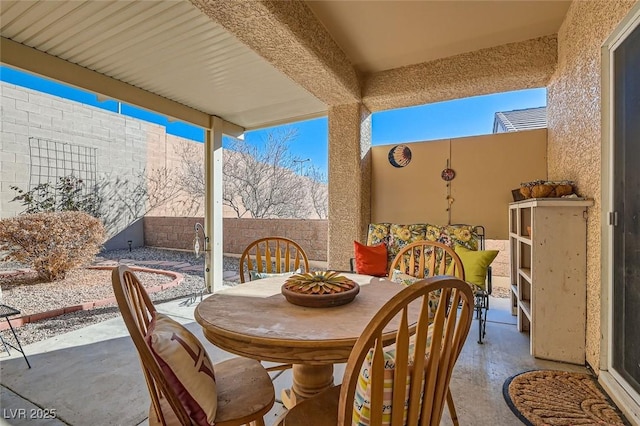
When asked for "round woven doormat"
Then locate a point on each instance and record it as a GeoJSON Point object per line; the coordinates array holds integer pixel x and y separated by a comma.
{"type": "Point", "coordinates": [559, 398]}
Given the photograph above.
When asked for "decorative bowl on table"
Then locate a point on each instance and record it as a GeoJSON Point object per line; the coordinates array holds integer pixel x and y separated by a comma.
{"type": "Point", "coordinates": [320, 289]}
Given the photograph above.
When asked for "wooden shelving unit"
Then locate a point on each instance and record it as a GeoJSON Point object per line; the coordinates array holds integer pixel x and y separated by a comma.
{"type": "Point", "coordinates": [547, 239]}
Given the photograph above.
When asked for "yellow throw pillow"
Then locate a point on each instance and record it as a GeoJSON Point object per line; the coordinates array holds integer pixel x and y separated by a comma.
{"type": "Point", "coordinates": [475, 263]}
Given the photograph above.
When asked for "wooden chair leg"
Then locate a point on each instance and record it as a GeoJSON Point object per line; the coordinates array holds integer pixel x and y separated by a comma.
{"type": "Point", "coordinates": [452, 408]}
{"type": "Point", "coordinates": [279, 367]}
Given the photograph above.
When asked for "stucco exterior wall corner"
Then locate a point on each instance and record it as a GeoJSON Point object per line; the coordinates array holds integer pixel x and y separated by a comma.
{"type": "Point", "coordinates": [574, 123]}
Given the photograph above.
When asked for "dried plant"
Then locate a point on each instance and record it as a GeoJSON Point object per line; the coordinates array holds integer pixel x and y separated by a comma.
{"type": "Point", "coordinates": [52, 242]}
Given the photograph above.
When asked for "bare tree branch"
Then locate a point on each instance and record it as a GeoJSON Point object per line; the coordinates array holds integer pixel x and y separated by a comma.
{"type": "Point", "coordinates": [191, 176]}
{"type": "Point", "coordinates": [259, 182]}
{"type": "Point", "coordinates": [318, 191]}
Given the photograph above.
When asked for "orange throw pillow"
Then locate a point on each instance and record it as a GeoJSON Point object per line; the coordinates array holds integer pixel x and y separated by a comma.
{"type": "Point", "coordinates": [371, 260]}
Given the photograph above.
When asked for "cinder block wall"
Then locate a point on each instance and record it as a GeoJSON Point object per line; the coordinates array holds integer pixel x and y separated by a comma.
{"type": "Point", "coordinates": [311, 234]}
{"type": "Point", "coordinates": [121, 142]}
{"type": "Point", "coordinates": [500, 265]}
{"type": "Point", "coordinates": [171, 232]}
{"type": "Point", "coordinates": [178, 233]}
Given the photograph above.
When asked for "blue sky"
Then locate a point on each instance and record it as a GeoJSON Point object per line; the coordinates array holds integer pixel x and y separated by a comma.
{"type": "Point", "coordinates": [451, 119]}
{"type": "Point", "coordinates": [442, 120]}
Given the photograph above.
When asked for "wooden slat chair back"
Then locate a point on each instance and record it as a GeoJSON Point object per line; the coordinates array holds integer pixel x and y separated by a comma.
{"type": "Point", "coordinates": [137, 310]}
{"type": "Point", "coordinates": [244, 403]}
{"type": "Point", "coordinates": [434, 258]}
{"type": "Point", "coordinates": [423, 259]}
{"type": "Point", "coordinates": [423, 366]}
{"type": "Point", "coordinates": [272, 255]}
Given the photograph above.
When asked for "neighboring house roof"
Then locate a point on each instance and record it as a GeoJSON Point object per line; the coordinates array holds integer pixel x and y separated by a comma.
{"type": "Point", "coordinates": [520, 119]}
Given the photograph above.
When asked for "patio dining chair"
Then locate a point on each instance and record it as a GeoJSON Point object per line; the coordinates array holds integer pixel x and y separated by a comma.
{"type": "Point", "coordinates": [423, 259]}
{"type": "Point", "coordinates": [403, 378]}
{"type": "Point", "coordinates": [185, 388]}
{"type": "Point", "coordinates": [272, 255]}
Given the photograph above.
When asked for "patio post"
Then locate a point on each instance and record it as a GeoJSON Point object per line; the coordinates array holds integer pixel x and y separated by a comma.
{"type": "Point", "coordinates": [349, 180]}
{"type": "Point", "coordinates": [213, 204]}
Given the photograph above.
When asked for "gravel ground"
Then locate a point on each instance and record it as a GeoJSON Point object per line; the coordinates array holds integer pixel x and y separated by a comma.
{"type": "Point", "coordinates": [83, 285]}
{"type": "Point", "coordinates": [500, 292]}
{"type": "Point", "coordinates": [145, 253]}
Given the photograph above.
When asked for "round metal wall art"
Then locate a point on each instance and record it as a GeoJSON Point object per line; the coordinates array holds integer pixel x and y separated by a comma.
{"type": "Point", "coordinates": [448, 174]}
{"type": "Point", "coordinates": [400, 156]}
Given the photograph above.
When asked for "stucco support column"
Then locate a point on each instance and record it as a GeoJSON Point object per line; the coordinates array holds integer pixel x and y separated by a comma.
{"type": "Point", "coordinates": [213, 204]}
{"type": "Point", "coordinates": [349, 181]}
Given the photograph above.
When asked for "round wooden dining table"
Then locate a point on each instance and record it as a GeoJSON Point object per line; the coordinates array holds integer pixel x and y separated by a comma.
{"type": "Point", "coordinates": [256, 321]}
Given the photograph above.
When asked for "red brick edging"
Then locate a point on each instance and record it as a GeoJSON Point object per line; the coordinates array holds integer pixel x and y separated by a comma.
{"type": "Point", "coordinates": [20, 321]}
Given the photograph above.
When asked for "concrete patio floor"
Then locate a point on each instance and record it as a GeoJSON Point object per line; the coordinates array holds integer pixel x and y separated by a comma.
{"type": "Point", "coordinates": [92, 376]}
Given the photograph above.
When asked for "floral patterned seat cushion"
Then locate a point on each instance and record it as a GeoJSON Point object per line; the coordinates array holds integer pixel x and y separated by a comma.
{"type": "Point", "coordinates": [459, 235]}
{"type": "Point", "coordinates": [378, 233]}
{"type": "Point", "coordinates": [401, 235]}
{"type": "Point", "coordinates": [396, 236]}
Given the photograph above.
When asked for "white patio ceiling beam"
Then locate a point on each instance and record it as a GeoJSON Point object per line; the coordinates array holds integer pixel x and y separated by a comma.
{"type": "Point", "coordinates": [34, 61]}
{"type": "Point", "coordinates": [288, 35]}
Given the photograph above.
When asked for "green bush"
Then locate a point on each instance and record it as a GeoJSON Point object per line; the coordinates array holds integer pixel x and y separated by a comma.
{"type": "Point", "coordinates": [52, 243]}
{"type": "Point", "coordinates": [68, 194]}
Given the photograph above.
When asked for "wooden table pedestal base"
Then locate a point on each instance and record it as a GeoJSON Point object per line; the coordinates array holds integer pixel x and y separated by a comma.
{"type": "Point", "coordinates": [308, 381]}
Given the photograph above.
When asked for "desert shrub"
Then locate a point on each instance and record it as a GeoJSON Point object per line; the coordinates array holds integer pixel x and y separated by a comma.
{"type": "Point", "coordinates": [52, 243]}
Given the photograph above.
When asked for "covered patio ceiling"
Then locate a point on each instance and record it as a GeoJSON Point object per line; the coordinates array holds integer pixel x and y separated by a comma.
{"type": "Point", "coordinates": [261, 63]}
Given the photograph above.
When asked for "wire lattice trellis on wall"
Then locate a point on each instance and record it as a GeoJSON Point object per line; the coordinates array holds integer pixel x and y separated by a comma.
{"type": "Point", "coordinates": [51, 160]}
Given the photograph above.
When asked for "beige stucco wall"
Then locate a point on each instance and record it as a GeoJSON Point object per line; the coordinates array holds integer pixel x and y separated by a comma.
{"type": "Point", "coordinates": [487, 168]}
{"type": "Point", "coordinates": [573, 115]}
{"type": "Point", "coordinates": [513, 66]}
